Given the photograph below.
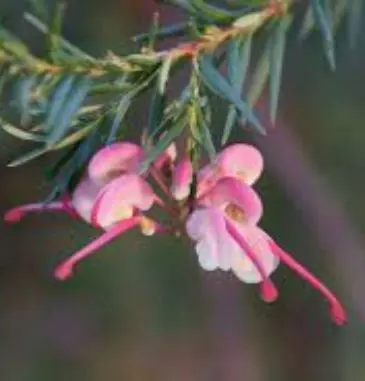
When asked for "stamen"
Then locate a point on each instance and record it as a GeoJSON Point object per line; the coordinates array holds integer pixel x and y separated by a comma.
{"type": "Point", "coordinates": [269, 293]}
{"type": "Point", "coordinates": [337, 312]}
{"type": "Point", "coordinates": [65, 270]}
{"type": "Point", "coordinates": [16, 214]}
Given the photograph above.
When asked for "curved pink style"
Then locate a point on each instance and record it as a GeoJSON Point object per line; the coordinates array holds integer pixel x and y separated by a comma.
{"type": "Point", "coordinates": [65, 270]}
{"type": "Point", "coordinates": [337, 312]}
{"type": "Point", "coordinates": [19, 212]}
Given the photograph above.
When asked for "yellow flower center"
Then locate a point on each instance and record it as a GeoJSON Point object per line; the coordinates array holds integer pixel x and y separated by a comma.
{"type": "Point", "coordinates": [122, 213]}
{"type": "Point", "coordinates": [235, 213]}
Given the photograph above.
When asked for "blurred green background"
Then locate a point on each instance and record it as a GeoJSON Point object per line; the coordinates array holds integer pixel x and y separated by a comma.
{"type": "Point", "coordinates": [142, 309]}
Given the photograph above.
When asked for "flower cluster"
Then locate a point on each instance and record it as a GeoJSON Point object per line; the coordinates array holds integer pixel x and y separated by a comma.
{"type": "Point", "coordinates": [215, 206]}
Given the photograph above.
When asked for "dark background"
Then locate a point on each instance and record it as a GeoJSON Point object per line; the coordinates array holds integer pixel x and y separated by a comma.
{"type": "Point", "coordinates": [142, 309]}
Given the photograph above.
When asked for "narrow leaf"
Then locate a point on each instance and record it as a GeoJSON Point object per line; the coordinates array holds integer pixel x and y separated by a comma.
{"type": "Point", "coordinates": [76, 136]}
{"type": "Point", "coordinates": [28, 157]}
{"type": "Point", "coordinates": [19, 133]}
{"type": "Point", "coordinates": [24, 92]}
{"type": "Point", "coordinates": [63, 119]}
{"type": "Point", "coordinates": [322, 14]}
{"type": "Point", "coordinates": [239, 54]}
{"type": "Point", "coordinates": [175, 130]}
{"type": "Point", "coordinates": [120, 113]}
{"type": "Point", "coordinates": [206, 135]}
{"type": "Point", "coordinates": [58, 100]}
{"type": "Point", "coordinates": [219, 85]}
{"type": "Point", "coordinates": [277, 50]}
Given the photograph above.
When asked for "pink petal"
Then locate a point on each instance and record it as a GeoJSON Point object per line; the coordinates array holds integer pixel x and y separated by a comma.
{"type": "Point", "coordinates": [120, 197]}
{"type": "Point", "coordinates": [84, 198]}
{"type": "Point", "coordinates": [241, 161]}
{"type": "Point", "coordinates": [65, 270]}
{"type": "Point", "coordinates": [182, 178]}
{"type": "Point", "coordinates": [230, 191]}
{"type": "Point", "coordinates": [113, 160]}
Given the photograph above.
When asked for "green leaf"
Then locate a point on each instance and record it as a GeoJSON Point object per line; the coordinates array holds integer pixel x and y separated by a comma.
{"type": "Point", "coordinates": [174, 30]}
{"type": "Point", "coordinates": [29, 156]}
{"type": "Point", "coordinates": [206, 136]}
{"type": "Point", "coordinates": [71, 106]}
{"type": "Point", "coordinates": [156, 112]}
{"type": "Point", "coordinates": [308, 23]}
{"type": "Point", "coordinates": [23, 94]}
{"type": "Point", "coordinates": [164, 73]}
{"type": "Point", "coordinates": [21, 134]}
{"type": "Point", "coordinates": [59, 98]}
{"type": "Point", "coordinates": [120, 113]}
{"type": "Point", "coordinates": [211, 12]}
{"type": "Point", "coordinates": [158, 101]}
{"type": "Point", "coordinates": [152, 35]}
{"type": "Point", "coordinates": [54, 30]}
{"type": "Point", "coordinates": [259, 78]}
{"type": "Point", "coordinates": [76, 136]}
{"type": "Point", "coordinates": [4, 74]}
{"type": "Point", "coordinates": [239, 54]}
{"type": "Point", "coordinates": [323, 16]}
{"type": "Point", "coordinates": [219, 85]}
{"type": "Point", "coordinates": [175, 130]}
{"type": "Point", "coordinates": [77, 52]}
{"type": "Point", "coordinates": [39, 7]}
{"type": "Point", "coordinates": [277, 50]}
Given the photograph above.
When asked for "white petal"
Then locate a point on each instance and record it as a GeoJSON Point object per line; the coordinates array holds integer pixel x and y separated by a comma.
{"type": "Point", "coordinates": [243, 267]}
{"type": "Point", "coordinates": [207, 257]}
{"type": "Point", "coordinates": [215, 246]}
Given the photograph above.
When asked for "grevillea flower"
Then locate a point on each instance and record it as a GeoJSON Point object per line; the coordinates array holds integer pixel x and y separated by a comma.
{"type": "Point", "coordinates": [111, 196]}
{"type": "Point", "coordinates": [224, 226]}
{"type": "Point", "coordinates": [221, 215]}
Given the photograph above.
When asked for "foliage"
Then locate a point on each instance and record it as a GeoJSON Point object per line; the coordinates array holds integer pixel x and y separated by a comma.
{"type": "Point", "coordinates": [72, 101]}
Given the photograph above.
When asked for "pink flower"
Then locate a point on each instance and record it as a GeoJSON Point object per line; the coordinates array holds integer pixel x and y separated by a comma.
{"type": "Point", "coordinates": [224, 227]}
{"type": "Point", "coordinates": [229, 210]}
{"type": "Point", "coordinates": [221, 215]}
{"type": "Point", "coordinates": [111, 197]}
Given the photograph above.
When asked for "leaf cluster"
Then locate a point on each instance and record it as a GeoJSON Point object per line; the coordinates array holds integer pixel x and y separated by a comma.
{"type": "Point", "coordinates": [74, 102]}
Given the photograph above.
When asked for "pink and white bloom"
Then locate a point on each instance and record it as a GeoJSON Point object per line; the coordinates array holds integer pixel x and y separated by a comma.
{"type": "Point", "coordinates": [221, 216]}
{"type": "Point", "coordinates": [229, 212]}
{"type": "Point", "coordinates": [111, 197]}
{"type": "Point", "coordinates": [224, 226]}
